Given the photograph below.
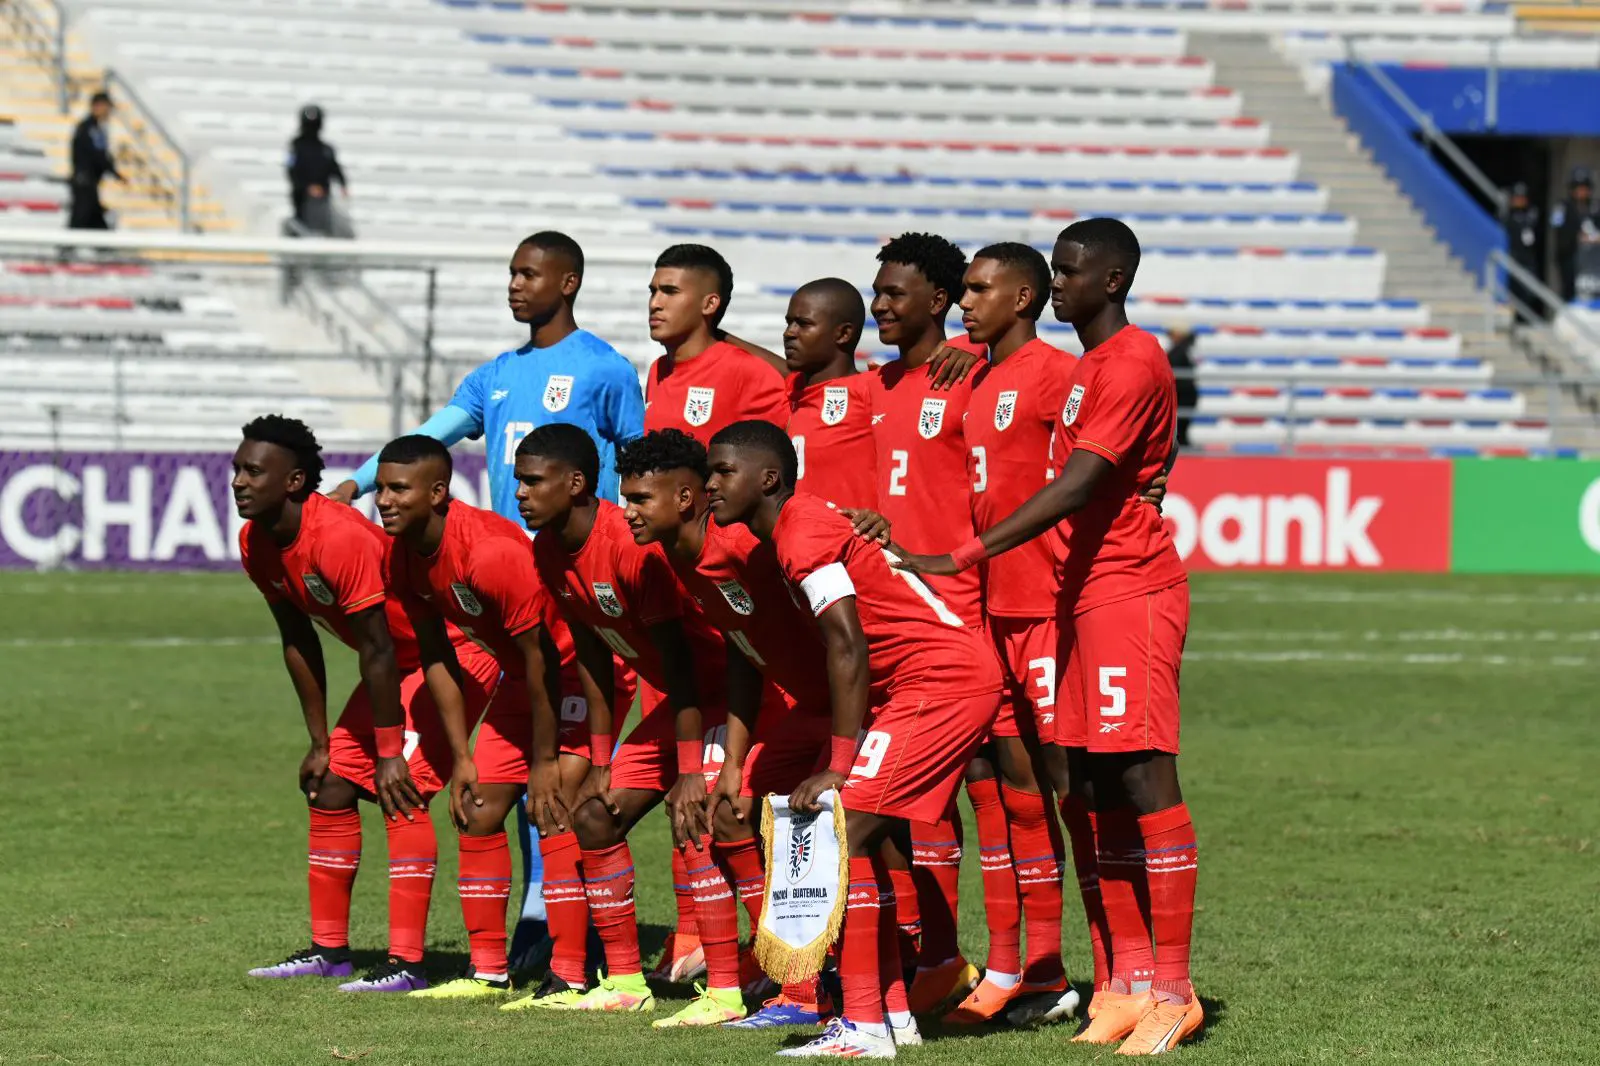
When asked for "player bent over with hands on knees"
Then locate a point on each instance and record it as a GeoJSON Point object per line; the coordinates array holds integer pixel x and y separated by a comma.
{"type": "Point", "coordinates": [913, 693]}
{"type": "Point", "coordinates": [321, 564]}
{"type": "Point", "coordinates": [1122, 613]}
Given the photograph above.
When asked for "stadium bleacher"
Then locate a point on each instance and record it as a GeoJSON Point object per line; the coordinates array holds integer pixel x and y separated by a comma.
{"type": "Point", "coordinates": [796, 142]}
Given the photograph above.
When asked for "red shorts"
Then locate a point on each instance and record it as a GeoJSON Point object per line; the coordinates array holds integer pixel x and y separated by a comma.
{"type": "Point", "coordinates": [353, 749]}
{"type": "Point", "coordinates": [648, 757]}
{"type": "Point", "coordinates": [1119, 688]}
{"type": "Point", "coordinates": [789, 747]}
{"type": "Point", "coordinates": [1027, 650]}
{"type": "Point", "coordinates": [914, 751]}
{"type": "Point", "coordinates": [505, 742]}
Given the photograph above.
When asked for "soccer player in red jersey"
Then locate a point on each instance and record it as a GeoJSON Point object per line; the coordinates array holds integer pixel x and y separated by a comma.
{"type": "Point", "coordinates": [623, 600]}
{"type": "Point", "coordinates": [830, 404]}
{"type": "Point", "coordinates": [914, 691]}
{"type": "Point", "coordinates": [318, 563]}
{"type": "Point", "coordinates": [773, 742]}
{"type": "Point", "coordinates": [1123, 613]}
{"type": "Point", "coordinates": [706, 379]}
{"type": "Point", "coordinates": [460, 566]}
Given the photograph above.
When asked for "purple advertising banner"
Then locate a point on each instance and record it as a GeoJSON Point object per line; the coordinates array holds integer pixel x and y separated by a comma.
{"type": "Point", "coordinates": [144, 510]}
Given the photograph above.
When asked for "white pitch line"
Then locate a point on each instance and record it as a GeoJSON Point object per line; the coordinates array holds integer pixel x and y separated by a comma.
{"type": "Point", "coordinates": [1408, 636]}
{"type": "Point", "coordinates": [1315, 655]}
{"type": "Point", "coordinates": [134, 642]}
{"type": "Point", "coordinates": [1312, 594]}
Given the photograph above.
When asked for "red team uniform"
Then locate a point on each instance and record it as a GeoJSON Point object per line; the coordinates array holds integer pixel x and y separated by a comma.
{"type": "Point", "coordinates": [1009, 431]}
{"type": "Point", "coordinates": [922, 472]}
{"type": "Point", "coordinates": [935, 684]}
{"type": "Point", "coordinates": [830, 424]}
{"type": "Point", "coordinates": [722, 385]}
{"type": "Point", "coordinates": [1124, 604]}
{"type": "Point", "coordinates": [619, 590]}
{"type": "Point", "coordinates": [337, 566]}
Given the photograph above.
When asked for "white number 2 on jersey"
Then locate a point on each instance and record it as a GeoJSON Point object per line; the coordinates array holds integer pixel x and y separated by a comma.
{"type": "Point", "coordinates": [800, 456]}
{"type": "Point", "coordinates": [515, 431]}
{"type": "Point", "coordinates": [897, 473]}
{"type": "Point", "coordinates": [980, 468]}
{"type": "Point", "coordinates": [943, 613]}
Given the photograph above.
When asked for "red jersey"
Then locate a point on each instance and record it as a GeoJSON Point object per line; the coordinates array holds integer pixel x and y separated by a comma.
{"type": "Point", "coordinates": [1010, 430]}
{"type": "Point", "coordinates": [480, 579]}
{"type": "Point", "coordinates": [923, 488]}
{"type": "Point", "coordinates": [619, 589]}
{"type": "Point", "coordinates": [336, 566]}
{"type": "Point", "coordinates": [916, 647]}
{"type": "Point", "coordinates": [738, 584]}
{"type": "Point", "coordinates": [722, 385]}
{"type": "Point", "coordinates": [1122, 405]}
{"type": "Point", "coordinates": [830, 423]}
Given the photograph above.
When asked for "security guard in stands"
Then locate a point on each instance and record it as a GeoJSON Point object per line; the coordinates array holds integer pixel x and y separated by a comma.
{"type": "Point", "coordinates": [91, 161]}
{"type": "Point", "coordinates": [1576, 221]}
{"type": "Point", "coordinates": [1522, 244]}
{"type": "Point", "coordinates": [313, 167]}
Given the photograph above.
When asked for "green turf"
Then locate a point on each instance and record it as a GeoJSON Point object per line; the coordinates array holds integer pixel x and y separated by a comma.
{"type": "Point", "coordinates": [1393, 780]}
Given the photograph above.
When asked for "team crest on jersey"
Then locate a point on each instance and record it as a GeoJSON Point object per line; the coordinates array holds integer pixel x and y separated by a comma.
{"type": "Point", "coordinates": [1069, 413]}
{"type": "Point", "coordinates": [802, 845]}
{"type": "Point", "coordinates": [1005, 409]}
{"type": "Point", "coordinates": [558, 392]}
{"type": "Point", "coordinates": [318, 589]}
{"type": "Point", "coordinates": [697, 406]}
{"type": "Point", "coordinates": [467, 599]}
{"type": "Point", "coordinates": [835, 404]}
{"type": "Point", "coordinates": [736, 596]}
{"type": "Point", "coordinates": [606, 596]}
{"type": "Point", "coordinates": [932, 418]}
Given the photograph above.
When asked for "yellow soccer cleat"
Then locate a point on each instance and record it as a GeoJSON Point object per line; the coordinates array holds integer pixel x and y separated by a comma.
{"type": "Point", "coordinates": [553, 994]}
{"type": "Point", "coordinates": [468, 987]}
{"type": "Point", "coordinates": [713, 1006]}
{"type": "Point", "coordinates": [1117, 1015]}
{"type": "Point", "coordinates": [619, 995]}
{"type": "Point", "coordinates": [1163, 1027]}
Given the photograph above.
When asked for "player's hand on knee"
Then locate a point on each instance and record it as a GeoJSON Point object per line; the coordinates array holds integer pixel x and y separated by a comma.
{"type": "Point", "coordinates": [687, 802]}
{"type": "Point", "coordinates": [596, 785]}
{"type": "Point", "coordinates": [464, 796]}
{"type": "Point", "coordinates": [809, 791]}
{"type": "Point", "coordinates": [727, 790]}
{"type": "Point", "coordinates": [547, 808]}
{"type": "Point", "coordinates": [397, 793]}
{"type": "Point", "coordinates": [313, 768]}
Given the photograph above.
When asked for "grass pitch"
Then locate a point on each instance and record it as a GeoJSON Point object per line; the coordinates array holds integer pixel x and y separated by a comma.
{"type": "Point", "coordinates": [1393, 781]}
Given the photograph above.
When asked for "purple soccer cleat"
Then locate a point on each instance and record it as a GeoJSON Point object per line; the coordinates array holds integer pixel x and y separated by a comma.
{"type": "Point", "coordinates": [392, 975]}
{"type": "Point", "coordinates": [312, 962]}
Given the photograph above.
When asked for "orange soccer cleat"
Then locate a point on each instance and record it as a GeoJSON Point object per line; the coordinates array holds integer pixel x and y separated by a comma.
{"type": "Point", "coordinates": [983, 1004]}
{"type": "Point", "coordinates": [1164, 1026]}
{"type": "Point", "coordinates": [936, 988]}
{"type": "Point", "coordinates": [1118, 1015]}
{"type": "Point", "coordinates": [682, 959]}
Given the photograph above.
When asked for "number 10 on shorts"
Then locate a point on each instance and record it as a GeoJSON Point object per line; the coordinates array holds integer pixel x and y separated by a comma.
{"type": "Point", "coordinates": [1117, 697]}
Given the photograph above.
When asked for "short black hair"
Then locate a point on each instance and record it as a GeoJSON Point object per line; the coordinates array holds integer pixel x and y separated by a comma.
{"type": "Point", "coordinates": [842, 298]}
{"type": "Point", "coordinates": [565, 443]}
{"type": "Point", "coordinates": [1028, 261]}
{"type": "Point", "coordinates": [416, 448]}
{"type": "Point", "coordinates": [292, 435]}
{"type": "Point", "coordinates": [549, 240]}
{"type": "Point", "coordinates": [661, 450]}
{"type": "Point", "coordinates": [763, 437]}
{"type": "Point", "coordinates": [1107, 236]}
{"type": "Point", "coordinates": [938, 260]}
{"type": "Point", "coordinates": [101, 97]}
{"type": "Point", "coordinates": [701, 257]}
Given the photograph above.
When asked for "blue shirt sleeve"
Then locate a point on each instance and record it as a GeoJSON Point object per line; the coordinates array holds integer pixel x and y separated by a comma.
{"type": "Point", "coordinates": [448, 425]}
{"type": "Point", "coordinates": [623, 417]}
{"type": "Point", "coordinates": [472, 396]}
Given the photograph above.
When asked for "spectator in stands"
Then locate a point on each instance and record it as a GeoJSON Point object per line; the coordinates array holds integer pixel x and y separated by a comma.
{"type": "Point", "coordinates": [1522, 244]}
{"type": "Point", "coordinates": [91, 161]}
{"type": "Point", "coordinates": [1576, 222]}
{"type": "Point", "coordinates": [313, 168]}
{"type": "Point", "coordinates": [1180, 354]}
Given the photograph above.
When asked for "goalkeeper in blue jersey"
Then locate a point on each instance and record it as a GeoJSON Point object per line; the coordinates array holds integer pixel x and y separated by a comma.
{"type": "Point", "coordinates": [563, 374]}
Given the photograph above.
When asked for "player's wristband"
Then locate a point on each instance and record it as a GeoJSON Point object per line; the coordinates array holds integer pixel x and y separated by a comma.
{"type": "Point", "coordinates": [391, 741]}
{"type": "Point", "coordinates": [969, 554]}
{"type": "Point", "coordinates": [600, 749]}
{"type": "Point", "coordinates": [842, 756]}
{"type": "Point", "coordinates": [690, 757]}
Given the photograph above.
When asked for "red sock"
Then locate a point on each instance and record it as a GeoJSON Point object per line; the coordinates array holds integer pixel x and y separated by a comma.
{"type": "Point", "coordinates": [1081, 832]}
{"type": "Point", "coordinates": [684, 896]}
{"type": "Point", "coordinates": [908, 922]}
{"type": "Point", "coordinates": [333, 852]}
{"type": "Point", "coordinates": [936, 872]}
{"type": "Point", "coordinates": [413, 857]}
{"type": "Point", "coordinates": [1124, 891]}
{"type": "Point", "coordinates": [891, 970]}
{"type": "Point", "coordinates": [717, 915]}
{"type": "Point", "coordinates": [484, 885]}
{"type": "Point", "coordinates": [740, 863]}
{"type": "Point", "coordinates": [608, 885]}
{"type": "Point", "coordinates": [1037, 851]}
{"type": "Point", "coordinates": [1170, 863]}
{"type": "Point", "coordinates": [566, 908]}
{"type": "Point", "coordinates": [859, 976]}
{"type": "Point", "coordinates": [1001, 904]}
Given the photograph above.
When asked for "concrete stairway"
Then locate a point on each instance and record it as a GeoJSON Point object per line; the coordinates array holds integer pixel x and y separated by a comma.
{"type": "Point", "coordinates": [1419, 265]}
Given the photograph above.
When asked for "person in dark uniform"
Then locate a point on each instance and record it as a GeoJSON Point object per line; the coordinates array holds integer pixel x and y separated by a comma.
{"type": "Point", "coordinates": [1522, 244]}
{"type": "Point", "coordinates": [91, 161]}
{"type": "Point", "coordinates": [1181, 356]}
{"type": "Point", "coordinates": [313, 167]}
{"type": "Point", "coordinates": [1577, 215]}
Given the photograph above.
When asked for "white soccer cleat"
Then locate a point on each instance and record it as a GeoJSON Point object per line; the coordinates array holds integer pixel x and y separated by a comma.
{"type": "Point", "coordinates": [841, 1040]}
{"type": "Point", "coordinates": [907, 1035]}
